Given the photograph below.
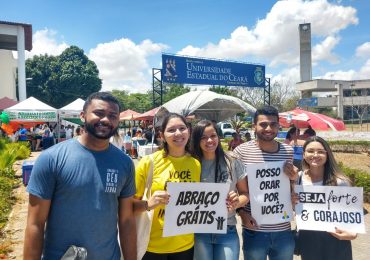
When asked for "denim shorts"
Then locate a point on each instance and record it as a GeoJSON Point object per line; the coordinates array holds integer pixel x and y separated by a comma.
{"type": "Point", "coordinates": [258, 245]}
{"type": "Point", "coordinates": [217, 246]}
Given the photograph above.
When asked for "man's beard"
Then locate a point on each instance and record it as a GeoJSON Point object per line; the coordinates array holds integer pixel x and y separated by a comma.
{"type": "Point", "coordinates": [263, 137]}
{"type": "Point", "coordinates": [90, 128]}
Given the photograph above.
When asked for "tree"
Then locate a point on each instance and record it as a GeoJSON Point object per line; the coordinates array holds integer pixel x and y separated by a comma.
{"type": "Point", "coordinates": [253, 96]}
{"type": "Point", "coordinates": [224, 90]}
{"type": "Point", "coordinates": [136, 101]}
{"type": "Point", "coordinates": [172, 91]}
{"type": "Point", "coordinates": [281, 93]}
{"type": "Point", "coordinates": [360, 110]}
{"type": "Point", "coordinates": [59, 80]}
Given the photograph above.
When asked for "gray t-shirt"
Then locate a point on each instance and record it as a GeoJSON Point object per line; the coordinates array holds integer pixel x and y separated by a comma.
{"type": "Point", "coordinates": [237, 170]}
{"type": "Point", "coordinates": [84, 187]}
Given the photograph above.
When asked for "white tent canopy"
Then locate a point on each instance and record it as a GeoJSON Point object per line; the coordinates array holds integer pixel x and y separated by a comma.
{"type": "Point", "coordinates": [206, 105]}
{"type": "Point", "coordinates": [32, 109]}
{"type": "Point", "coordinates": [72, 109]}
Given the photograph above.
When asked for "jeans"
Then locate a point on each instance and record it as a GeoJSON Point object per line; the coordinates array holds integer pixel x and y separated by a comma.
{"type": "Point", "coordinates": [217, 246]}
{"type": "Point", "coordinates": [277, 245]}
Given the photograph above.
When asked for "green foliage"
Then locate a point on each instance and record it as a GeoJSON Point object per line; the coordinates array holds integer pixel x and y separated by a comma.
{"type": "Point", "coordinates": [172, 91]}
{"type": "Point", "coordinates": [143, 102]}
{"type": "Point", "coordinates": [59, 80]}
{"type": "Point", "coordinates": [224, 90]}
{"type": "Point", "coordinates": [349, 146]}
{"type": "Point", "coordinates": [348, 142]}
{"type": "Point", "coordinates": [9, 153]}
{"type": "Point", "coordinates": [359, 179]}
{"type": "Point", "coordinates": [6, 199]}
{"type": "Point", "coordinates": [138, 102]}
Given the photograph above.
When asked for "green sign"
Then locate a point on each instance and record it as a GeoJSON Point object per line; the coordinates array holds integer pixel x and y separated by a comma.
{"type": "Point", "coordinates": [33, 115]}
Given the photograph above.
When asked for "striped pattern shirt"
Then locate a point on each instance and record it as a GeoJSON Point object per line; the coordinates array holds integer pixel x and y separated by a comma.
{"type": "Point", "coordinates": [250, 153]}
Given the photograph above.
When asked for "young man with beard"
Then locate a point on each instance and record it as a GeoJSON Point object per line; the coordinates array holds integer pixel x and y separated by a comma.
{"type": "Point", "coordinates": [275, 240]}
{"type": "Point", "coordinates": [83, 189]}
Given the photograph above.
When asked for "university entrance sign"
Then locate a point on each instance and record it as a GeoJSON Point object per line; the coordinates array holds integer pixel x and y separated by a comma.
{"type": "Point", "coordinates": [188, 70]}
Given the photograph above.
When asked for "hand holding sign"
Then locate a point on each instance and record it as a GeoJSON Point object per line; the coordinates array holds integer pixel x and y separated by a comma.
{"type": "Point", "coordinates": [291, 170]}
{"type": "Point", "coordinates": [343, 235]}
{"type": "Point", "coordinates": [232, 201]}
{"type": "Point", "coordinates": [159, 197]}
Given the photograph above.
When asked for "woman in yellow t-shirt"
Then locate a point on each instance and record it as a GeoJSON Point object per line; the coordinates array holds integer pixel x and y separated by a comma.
{"type": "Point", "coordinates": [171, 164]}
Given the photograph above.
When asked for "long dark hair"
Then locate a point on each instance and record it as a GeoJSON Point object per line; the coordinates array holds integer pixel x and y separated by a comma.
{"type": "Point", "coordinates": [332, 172]}
{"type": "Point", "coordinates": [197, 152]}
{"type": "Point", "coordinates": [163, 128]}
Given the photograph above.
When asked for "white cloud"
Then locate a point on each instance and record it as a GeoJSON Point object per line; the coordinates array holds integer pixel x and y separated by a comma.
{"type": "Point", "coordinates": [46, 42]}
{"type": "Point", "coordinates": [275, 38]}
{"type": "Point", "coordinates": [323, 50]}
{"type": "Point", "coordinates": [362, 73]}
{"type": "Point", "coordinates": [123, 64]}
{"type": "Point", "coordinates": [290, 76]}
{"type": "Point", "coordinates": [340, 75]}
{"type": "Point", "coordinates": [363, 50]}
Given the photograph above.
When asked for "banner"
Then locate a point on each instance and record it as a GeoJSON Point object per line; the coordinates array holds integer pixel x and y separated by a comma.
{"type": "Point", "coordinates": [269, 190]}
{"type": "Point", "coordinates": [47, 116]}
{"type": "Point", "coordinates": [196, 208]}
{"type": "Point", "coordinates": [188, 70]}
{"type": "Point", "coordinates": [326, 207]}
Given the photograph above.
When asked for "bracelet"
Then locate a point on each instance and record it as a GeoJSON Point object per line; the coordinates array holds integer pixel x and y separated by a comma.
{"type": "Point", "coordinates": [239, 209]}
{"type": "Point", "coordinates": [146, 205]}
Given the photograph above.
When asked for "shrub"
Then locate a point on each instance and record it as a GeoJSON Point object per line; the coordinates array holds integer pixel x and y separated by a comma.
{"type": "Point", "coordinates": [359, 179]}
{"type": "Point", "coordinates": [9, 153]}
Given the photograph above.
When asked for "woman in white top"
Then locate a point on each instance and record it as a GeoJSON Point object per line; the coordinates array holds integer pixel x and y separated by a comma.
{"type": "Point", "coordinates": [320, 168]}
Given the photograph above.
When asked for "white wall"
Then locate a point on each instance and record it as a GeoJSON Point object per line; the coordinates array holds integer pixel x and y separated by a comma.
{"type": "Point", "coordinates": [8, 67]}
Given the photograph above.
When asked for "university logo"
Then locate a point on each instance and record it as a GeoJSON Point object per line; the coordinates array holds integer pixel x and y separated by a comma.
{"type": "Point", "coordinates": [170, 73]}
{"type": "Point", "coordinates": [258, 76]}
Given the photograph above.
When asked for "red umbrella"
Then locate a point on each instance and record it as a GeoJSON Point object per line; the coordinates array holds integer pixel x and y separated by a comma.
{"type": "Point", "coordinates": [149, 115]}
{"type": "Point", "coordinates": [286, 119]}
{"type": "Point", "coordinates": [128, 115]}
{"type": "Point", "coordinates": [315, 120]}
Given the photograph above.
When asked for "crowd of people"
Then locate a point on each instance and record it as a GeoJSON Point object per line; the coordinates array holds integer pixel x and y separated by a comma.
{"type": "Point", "coordinates": [43, 136]}
{"type": "Point", "coordinates": [86, 191]}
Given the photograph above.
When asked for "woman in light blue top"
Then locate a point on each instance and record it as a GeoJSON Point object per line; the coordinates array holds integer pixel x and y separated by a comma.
{"type": "Point", "coordinates": [218, 167]}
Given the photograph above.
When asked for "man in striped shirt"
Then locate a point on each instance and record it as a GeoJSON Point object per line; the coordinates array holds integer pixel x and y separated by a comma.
{"type": "Point", "coordinates": [274, 240]}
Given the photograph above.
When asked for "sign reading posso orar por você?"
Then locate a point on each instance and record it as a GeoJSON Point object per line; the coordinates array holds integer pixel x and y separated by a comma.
{"type": "Point", "coordinates": [269, 191]}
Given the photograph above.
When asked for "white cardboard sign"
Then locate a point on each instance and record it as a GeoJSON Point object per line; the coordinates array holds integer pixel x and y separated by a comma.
{"type": "Point", "coordinates": [269, 191]}
{"type": "Point", "coordinates": [326, 207]}
{"type": "Point", "coordinates": [196, 208]}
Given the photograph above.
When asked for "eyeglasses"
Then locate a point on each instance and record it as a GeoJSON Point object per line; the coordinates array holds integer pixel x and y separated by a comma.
{"type": "Point", "coordinates": [264, 125]}
{"type": "Point", "coordinates": [319, 152]}
{"type": "Point", "coordinates": [205, 138]}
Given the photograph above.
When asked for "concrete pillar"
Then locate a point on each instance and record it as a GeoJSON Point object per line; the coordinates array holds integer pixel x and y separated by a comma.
{"type": "Point", "coordinates": [339, 88]}
{"type": "Point", "coordinates": [21, 64]}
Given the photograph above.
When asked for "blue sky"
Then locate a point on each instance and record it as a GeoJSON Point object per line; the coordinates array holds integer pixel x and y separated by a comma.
{"type": "Point", "coordinates": [126, 38]}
